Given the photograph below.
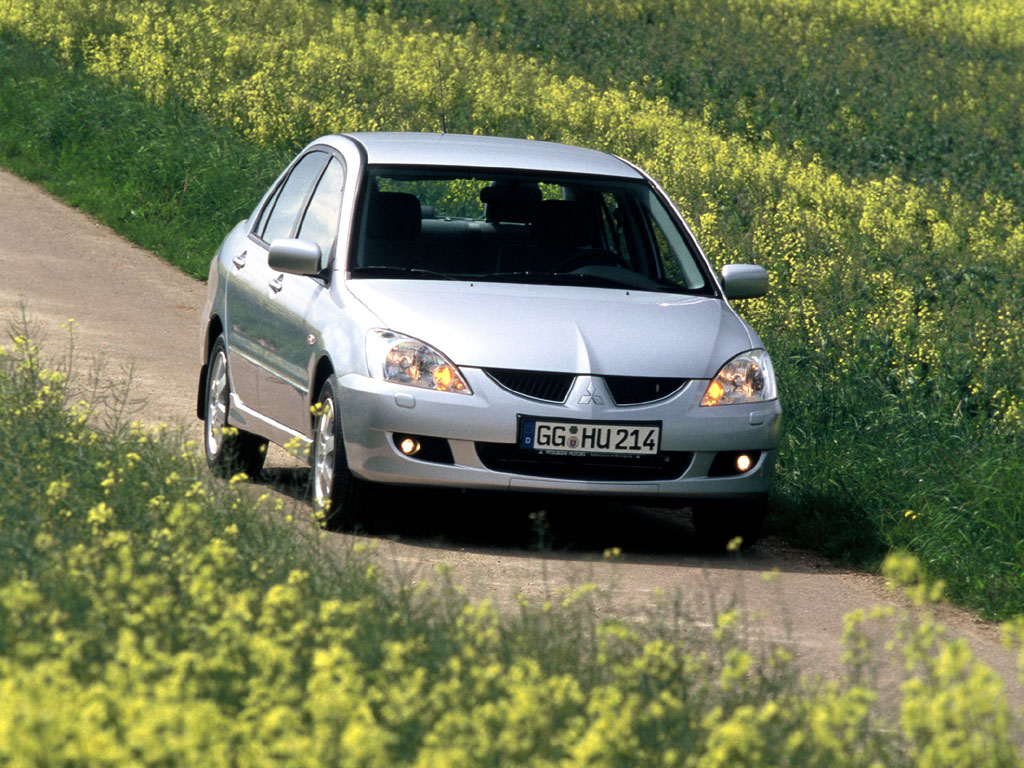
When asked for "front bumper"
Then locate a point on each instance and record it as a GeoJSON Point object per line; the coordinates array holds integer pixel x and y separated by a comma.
{"type": "Point", "coordinates": [478, 436]}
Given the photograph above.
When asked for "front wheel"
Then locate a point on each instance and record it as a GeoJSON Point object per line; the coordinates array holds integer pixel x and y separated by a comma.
{"type": "Point", "coordinates": [229, 450]}
{"type": "Point", "coordinates": [338, 495]}
{"type": "Point", "coordinates": [717, 523]}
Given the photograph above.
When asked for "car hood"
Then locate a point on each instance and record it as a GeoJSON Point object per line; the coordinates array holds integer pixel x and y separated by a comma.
{"type": "Point", "coordinates": [556, 328]}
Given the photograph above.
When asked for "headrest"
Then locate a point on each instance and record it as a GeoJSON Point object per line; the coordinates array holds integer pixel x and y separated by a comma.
{"type": "Point", "coordinates": [393, 215]}
{"type": "Point", "coordinates": [510, 202]}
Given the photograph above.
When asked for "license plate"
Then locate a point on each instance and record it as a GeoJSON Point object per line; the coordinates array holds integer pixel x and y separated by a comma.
{"type": "Point", "coordinates": [590, 438]}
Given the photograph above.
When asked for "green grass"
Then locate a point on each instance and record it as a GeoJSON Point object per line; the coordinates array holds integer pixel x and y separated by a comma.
{"type": "Point", "coordinates": [161, 176]}
{"type": "Point", "coordinates": [894, 234]}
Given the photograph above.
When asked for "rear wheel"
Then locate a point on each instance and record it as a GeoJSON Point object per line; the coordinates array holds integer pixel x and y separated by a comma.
{"type": "Point", "coordinates": [229, 450]}
{"type": "Point", "coordinates": [717, 523]}
{"type": "Point", "coordinates": [337, 493]}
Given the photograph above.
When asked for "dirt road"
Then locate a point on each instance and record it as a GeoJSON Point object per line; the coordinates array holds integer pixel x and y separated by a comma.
{"type": "Point", "coordinates": [133, 309]}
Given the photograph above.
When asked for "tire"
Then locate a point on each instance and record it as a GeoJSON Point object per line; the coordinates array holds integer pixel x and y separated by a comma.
{"type": "Point", "coordinates": [719, 522]}
{"type": "Point", "coordinates": [228, 450]}
{"type": "Point", "coordinates": [339, 495]}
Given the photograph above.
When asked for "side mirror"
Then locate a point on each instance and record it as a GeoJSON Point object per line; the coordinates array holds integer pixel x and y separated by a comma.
{"type": "Point", "coordinates": [744, 281]}
{"type": "Point", "coordinates": [296, 257]}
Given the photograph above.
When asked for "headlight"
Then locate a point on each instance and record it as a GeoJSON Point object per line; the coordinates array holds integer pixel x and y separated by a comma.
{"type": "Point", "coordinates": [405, 360]}
{"type": "Point", "coordinates": [747, 378]}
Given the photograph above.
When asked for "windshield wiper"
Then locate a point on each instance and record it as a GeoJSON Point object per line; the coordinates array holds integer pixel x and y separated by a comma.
{"type": "Point", "coordinates": [395, 271]}
{"type": "Point", "coordinates": [517, 277]}
{"type": "Point", "coordinates": [581, 278]}
{"type": "Point", "coordinates": [550, 278]}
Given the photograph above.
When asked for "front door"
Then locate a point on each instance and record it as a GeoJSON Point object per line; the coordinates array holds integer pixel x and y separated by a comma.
{"type": "Point", "coordinates": [289, 339]}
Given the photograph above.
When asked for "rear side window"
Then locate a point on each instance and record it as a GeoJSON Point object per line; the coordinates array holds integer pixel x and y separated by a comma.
{"type": "Point", "coordinates": [284, 207]}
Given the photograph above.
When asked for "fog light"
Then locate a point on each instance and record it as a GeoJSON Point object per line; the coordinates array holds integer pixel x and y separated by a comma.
{"type": "Point", "coordinates": [423, 448]}
{"type": "Point", "coordinates": [409, 446]}
{"type": "Point", "coordinates": [733, 463]}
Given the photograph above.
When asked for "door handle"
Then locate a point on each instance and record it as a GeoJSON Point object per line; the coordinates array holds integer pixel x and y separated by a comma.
{"type": "Point", "coordinates": [239, 260]}
{"type": "Point", "coordinates": [277, 283]}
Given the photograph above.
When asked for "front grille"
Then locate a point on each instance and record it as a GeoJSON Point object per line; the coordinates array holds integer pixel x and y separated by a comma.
{"type": "Point", "coordinates": [508, 457]}
{"type": "Point", "coordinates": [633, 390]}
{"type": "Point", "coordinates": [550, 387]}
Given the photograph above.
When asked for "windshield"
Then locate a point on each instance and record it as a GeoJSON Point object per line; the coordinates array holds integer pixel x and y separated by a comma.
{"type": "Point", "coordinates": [524, 227]}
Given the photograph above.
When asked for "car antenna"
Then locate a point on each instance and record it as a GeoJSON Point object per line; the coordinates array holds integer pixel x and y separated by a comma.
{"type": "Point", "coordinates": [440, 88]}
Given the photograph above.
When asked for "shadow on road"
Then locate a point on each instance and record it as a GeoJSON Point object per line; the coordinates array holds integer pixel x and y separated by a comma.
{"type": "Point", "coordinates": [515, 521]}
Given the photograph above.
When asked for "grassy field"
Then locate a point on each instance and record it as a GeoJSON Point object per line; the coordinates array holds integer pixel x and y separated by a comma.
{"type": "Point", "coordinates": [868, 154]}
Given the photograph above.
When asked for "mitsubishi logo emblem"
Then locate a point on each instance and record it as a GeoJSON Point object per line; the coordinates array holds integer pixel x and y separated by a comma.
{"type": "Point", "coordinates": [589, 397]}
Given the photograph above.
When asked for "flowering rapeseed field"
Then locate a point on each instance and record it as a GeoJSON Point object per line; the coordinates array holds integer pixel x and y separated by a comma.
{"type": "Point", "coordinates": [150, 617]}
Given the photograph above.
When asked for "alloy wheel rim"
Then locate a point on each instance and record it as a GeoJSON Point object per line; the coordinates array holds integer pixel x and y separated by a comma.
{"type": "Point", "coordinates": [216, 405]}
{"type": "Point", "coordinates": [323, 455]}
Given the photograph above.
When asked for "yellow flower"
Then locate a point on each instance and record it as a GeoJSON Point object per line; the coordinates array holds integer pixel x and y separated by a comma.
{"type": "Point", "coordinates": [58, 490]}
{"type": "Point", "coordinates": [100, 514]}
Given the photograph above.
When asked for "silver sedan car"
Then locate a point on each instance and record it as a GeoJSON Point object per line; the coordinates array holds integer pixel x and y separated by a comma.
{"type": "Point", "coordinates": [484, 313]}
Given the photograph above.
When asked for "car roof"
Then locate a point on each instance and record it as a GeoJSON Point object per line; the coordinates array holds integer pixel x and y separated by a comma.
{"type": "Point", "coordinates": [458, 150]}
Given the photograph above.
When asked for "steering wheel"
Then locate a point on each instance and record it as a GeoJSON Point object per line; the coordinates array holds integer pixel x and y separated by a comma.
{"type": "Point", "coordinates": [586, 257]}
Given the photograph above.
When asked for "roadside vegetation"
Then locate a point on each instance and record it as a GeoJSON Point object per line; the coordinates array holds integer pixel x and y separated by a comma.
{"type": "Point", "coordinates": [150, 616]}
{"type": "Point", "coordinates": [868, 155]}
